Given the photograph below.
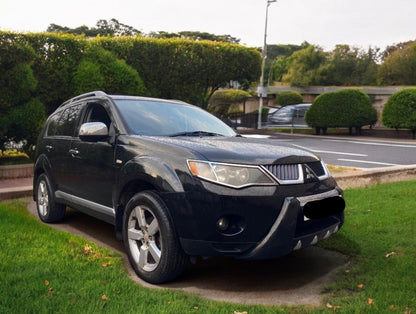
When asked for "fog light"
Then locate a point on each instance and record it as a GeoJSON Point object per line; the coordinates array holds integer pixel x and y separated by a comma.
{"type": "Point", "coordinates": [223, 223]}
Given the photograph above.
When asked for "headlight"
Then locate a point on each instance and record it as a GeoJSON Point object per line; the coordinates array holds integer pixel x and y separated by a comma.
{"type": "Point", "coordinates": [236, 176]}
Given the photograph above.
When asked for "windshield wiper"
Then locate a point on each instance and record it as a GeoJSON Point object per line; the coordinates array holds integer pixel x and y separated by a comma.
{"type": "Point", "coordinates": [195, 133]}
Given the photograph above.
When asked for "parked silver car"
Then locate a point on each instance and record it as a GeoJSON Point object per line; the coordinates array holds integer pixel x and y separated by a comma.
{"type": "Point", "coordinates": [290, 114]}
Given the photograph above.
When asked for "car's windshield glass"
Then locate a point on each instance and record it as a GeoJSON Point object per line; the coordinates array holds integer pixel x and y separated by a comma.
{"type": "Point", "coordinates": [158, 118]}
{"type": "Point", "coordinates": [284, 111]}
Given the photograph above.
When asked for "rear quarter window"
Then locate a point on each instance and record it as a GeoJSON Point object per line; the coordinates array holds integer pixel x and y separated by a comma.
{"type": "Point", "coordinates": [63, 123]}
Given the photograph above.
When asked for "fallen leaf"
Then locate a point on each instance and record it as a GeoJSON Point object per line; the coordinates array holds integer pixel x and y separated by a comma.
{"type": "Point", "coordinates": [360, 286]}
{"type": "Point", "coordinates": [370, 301]}
{"type": "Point", "coordinates": [196, 308]}
{"type": "Point", "coordinates": [46, 283]}
{"type": "Point", "coordinates": [51, 291]}
{"type": "Point", "coordinates": [390, 254]}
{"type": "Point", "coordinates": [347, 271]}
{"type": "Point", "coordinates": [87, 249]}
{"type": "Point", "coordinates": [105, 298]}
{"type": "Point", "coordinates": [392, 307]}
{"type": "Point", "coordinates": [329, 306]}
{"type": "Point", "coordinates": [105, 265]}
{"type": "Point", "coordinates": [238, 312]}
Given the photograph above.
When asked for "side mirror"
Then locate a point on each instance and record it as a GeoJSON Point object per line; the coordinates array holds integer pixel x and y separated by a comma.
{"type": "Point", "coordinates": [93, 132]}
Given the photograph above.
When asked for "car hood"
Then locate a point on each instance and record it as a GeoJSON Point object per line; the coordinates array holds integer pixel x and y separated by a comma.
{"type": "Point", "coordinates": [238, 149]}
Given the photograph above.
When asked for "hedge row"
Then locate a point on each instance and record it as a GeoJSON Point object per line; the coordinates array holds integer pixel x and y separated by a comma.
{"type": "Point", "coordinates": [170, 68]}
{"type": "Point", "coordinates": [48, 68]}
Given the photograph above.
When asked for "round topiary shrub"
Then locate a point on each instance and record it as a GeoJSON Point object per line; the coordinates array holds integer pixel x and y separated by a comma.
{"type": "Point", "coordinates": [226, 100]}
{"type": "Point", "coordinates": [400, 110]}
{"type": "Point", "coordinates": [349, 108]}
{"type": "Point", "coordinates": [289, 98]}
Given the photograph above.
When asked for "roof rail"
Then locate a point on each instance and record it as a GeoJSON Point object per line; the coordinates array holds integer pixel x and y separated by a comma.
{"type": "Point", "coordinates": [86, 95]}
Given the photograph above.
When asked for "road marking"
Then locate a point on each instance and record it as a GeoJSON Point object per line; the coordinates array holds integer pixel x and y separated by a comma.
{"type": "Point", "coordinates": [256, 136]}
{"type": "Point", "coordinates": [369, 162]}
{"type": "Point", "coordinates": [330, 152]}
{"type": "Point", "coordinates": [374, 143]}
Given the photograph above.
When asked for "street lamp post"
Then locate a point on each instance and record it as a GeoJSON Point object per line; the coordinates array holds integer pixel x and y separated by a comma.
{"type": "Point", "coordinates": [262, 90]}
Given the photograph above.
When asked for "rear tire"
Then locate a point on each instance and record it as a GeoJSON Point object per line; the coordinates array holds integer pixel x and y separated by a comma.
{"type": "Point", "coordinates": [48, 210]}
{"type": "Point", "coordinates": [150, 239]}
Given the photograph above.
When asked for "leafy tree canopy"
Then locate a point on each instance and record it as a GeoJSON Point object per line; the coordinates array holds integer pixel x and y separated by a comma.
{"type": "Point", "coordinates": [194, 35]}
{"type": "Point", "coordinates": [103, 28]}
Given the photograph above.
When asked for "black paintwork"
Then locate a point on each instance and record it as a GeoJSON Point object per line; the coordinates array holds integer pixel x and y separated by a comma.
{"type": "Point", "coordinates": [99, 177]}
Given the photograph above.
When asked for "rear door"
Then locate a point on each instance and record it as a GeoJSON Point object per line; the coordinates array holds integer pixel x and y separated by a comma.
{"type": "Point", "coordinates": [57, 143]}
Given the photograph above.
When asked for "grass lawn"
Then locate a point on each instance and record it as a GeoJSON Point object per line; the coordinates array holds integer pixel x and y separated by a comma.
{"type": "Point", "coordinates": [43, 270]}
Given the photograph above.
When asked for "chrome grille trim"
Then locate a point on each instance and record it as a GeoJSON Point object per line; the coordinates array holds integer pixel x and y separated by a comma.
{"type": "Point", "coordinates": [286, 173]}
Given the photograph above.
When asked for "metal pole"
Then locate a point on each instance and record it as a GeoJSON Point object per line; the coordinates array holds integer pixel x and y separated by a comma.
{"type": "Point", "coordinates": [262, 89]}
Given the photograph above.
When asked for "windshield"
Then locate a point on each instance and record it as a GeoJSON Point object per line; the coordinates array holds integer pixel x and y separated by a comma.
{"type": "Point", "coordinates": [285, 111]}
{"type": "Point", "coordinates": [159, 118]}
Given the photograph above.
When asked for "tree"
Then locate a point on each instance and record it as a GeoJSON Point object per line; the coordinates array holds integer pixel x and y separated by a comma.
{"type": "Point", "coordinates": [399, 66]}
{"type": "Point", "coordinates": [193, 35]}
{"type": "Point", "coordinates": [304, 65]}
{"type": "Point", "coordinates": [103, 28]}
{"type": "Point", "coordinates": [400, 110]}
{"type": "Point", "coordinates": [348, 66]}
{"type": "Point", "coordinates": [277, 60]}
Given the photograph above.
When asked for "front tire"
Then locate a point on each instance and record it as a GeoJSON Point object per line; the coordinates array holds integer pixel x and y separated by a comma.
{"type": "Point", "coordinates": [150, 239]}
{"type": "Point", "coordinates": [48, 210]}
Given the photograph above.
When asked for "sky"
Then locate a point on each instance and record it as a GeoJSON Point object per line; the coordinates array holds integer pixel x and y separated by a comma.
{"type": "Point", "coordinates": [326, 23]}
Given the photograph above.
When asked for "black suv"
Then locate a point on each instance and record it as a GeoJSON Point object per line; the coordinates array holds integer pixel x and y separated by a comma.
{"type": "Point", "coordinates": [175, 182]}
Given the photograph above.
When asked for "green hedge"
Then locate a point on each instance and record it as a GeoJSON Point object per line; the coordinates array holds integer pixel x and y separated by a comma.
{"type": "Point", "coordinates": [349, 108]}
{"type": "Point", "coordinates": [289, 98]}
{"type": "Point", "coordinates": [227, 101]}
{"type": "Point", "coordinates": [400, 110]}
{"type": "Point", "coordinates": [169, 68]}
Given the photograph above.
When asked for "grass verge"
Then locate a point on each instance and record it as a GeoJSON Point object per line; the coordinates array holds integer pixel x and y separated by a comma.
{"type": "Point", "coordinates": [45, 270]}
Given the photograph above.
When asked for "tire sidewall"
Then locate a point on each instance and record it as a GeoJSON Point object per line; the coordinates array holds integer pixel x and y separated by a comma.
{"type": "Point", "coordinates": [170, 248]}
{"type": "Point", "coordinates": [55, 211]}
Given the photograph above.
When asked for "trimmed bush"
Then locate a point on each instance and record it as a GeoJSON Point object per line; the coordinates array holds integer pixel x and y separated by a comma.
{"type": "Point", "coordinates": [227, 100]}
{"type": "Point", "coordinates": [349, 108]}
{"type": "Point", "coordinates": [101, 70]}
{"type": "Point", "coordinates": [289, 98]}
{"type": "Point", "coordinates": [400, 110]}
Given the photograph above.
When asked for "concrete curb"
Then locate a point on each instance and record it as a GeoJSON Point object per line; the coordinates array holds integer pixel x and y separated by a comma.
{"type": "Point", "coordinates": [366, 178]}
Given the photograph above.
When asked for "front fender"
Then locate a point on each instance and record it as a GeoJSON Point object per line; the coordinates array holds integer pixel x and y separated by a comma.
{"type": "Point", "coordinates": [153, 171]}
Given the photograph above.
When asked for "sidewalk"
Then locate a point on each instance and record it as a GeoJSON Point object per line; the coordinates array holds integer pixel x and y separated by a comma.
{"type": "Point", "coordinates": [15, 188]}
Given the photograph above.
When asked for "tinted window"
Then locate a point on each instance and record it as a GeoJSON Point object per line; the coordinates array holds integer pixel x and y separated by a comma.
{"type": "Point", "coordinates": [157, 118]}
{"type": "Point", "coordinates": [64, 123]}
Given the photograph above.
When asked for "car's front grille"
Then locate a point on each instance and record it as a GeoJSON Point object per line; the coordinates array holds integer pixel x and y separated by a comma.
{"type": "Point", "coordinates": [284, 172]}
{"type": "Point", "coordinates": [297, 173]}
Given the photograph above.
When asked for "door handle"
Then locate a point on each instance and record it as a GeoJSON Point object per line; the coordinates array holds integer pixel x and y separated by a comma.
{"type": "Point", "coordinates": [74, 152]}
{"type": "Point", "coordinates": [49, 148]}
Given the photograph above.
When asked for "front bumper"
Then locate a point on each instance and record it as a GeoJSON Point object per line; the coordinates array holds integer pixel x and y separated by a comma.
{"type": "Point", "coordinates": [290, 230]}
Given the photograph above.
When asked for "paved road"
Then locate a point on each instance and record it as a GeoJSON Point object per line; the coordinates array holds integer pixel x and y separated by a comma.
{"type": "Point", "coordinates": [354, 152]}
